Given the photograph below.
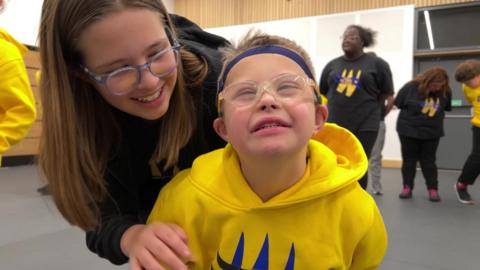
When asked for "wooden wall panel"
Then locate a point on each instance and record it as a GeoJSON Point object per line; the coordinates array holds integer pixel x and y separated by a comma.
{"type": "Point", "coordinates": [27, 147]}
{"type": "Point", "coordinates": [216, 13]}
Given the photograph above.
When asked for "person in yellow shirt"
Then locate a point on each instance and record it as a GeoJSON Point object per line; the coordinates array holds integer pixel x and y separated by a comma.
{"type": "Point", "coordinates": [17, 105]}
{"type": "Point", "coordinates": [468, 73]}
{"type": "Point", "coordinates": [274, 198]}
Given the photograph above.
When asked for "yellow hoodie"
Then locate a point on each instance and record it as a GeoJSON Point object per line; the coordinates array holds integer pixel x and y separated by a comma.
{"type": "Point", "coordinates": [324, 221]}
{"type": "Point", "coordinates": [17, 105]}
{"type": "Point", "coordinates": [473, 96]}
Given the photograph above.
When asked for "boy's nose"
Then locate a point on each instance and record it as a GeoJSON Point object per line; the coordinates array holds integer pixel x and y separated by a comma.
{"type": "Point", "coordinates": [267, 100]}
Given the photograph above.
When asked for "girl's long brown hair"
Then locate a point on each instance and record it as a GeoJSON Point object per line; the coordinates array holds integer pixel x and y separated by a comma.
{"type": "Point", "coordinates": [434, 74]}
{"type": "Point", "coordinates": [78, 127]}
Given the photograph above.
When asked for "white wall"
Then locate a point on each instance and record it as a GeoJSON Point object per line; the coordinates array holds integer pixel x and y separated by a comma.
{"type": "Point", "coordinates": [21, 18]}
{"type": "Point", "coordinates": [320, 36]}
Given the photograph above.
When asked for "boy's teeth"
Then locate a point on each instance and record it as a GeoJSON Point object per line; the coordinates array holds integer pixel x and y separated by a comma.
{"type": "Point", "coordinates": [149, 98]}
{"type": "Point", "coordinates": [270, 126]}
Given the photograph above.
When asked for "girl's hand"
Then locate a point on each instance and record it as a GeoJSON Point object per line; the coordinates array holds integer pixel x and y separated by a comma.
{"type": "Point", "coordinates": [156, 246]}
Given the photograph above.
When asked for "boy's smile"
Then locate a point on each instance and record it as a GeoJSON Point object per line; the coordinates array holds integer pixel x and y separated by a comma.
{"type": "Point", "coordinates": [269, 125]}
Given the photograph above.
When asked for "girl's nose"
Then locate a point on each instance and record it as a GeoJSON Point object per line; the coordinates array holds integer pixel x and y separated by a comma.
{"type": "Point", "coordinates": [147, 79]}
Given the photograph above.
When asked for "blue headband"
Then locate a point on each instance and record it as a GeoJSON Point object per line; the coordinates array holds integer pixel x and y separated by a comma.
{"type": "Point", "coordinates": [261, 50]}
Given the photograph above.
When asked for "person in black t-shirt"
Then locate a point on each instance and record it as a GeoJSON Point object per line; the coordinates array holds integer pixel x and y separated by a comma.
{"type": "Point", "coordinates": [422, 103]}
{"type": "Point", "coordinates": [356, 84]}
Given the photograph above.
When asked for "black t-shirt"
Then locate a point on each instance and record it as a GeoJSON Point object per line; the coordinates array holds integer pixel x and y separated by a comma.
{"type": "Point", "coordinates": [353, 89]}
{"type": "Point", "coordinates": [420, 118]}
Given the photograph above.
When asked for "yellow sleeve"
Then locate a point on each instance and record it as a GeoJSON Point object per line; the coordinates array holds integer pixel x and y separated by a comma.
{"type": "Point", "coordinates": [169, 204]}
{"type": "Point", "coordinates": [17, 105]}
{"type": "Point", "coordinates": [370, 251]}
{"type": "Point", "coordinates": [467, 92]}
{"type": "Point", "coordinates": [159, 210]}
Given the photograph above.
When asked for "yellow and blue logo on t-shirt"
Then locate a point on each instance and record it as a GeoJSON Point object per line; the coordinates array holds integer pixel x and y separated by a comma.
{"type": "Point", "coordinates": [430, 106]}
{"type": "Point", "coordinates": [348, 82]}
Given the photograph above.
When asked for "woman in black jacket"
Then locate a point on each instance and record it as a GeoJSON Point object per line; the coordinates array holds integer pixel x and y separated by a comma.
{"type": "Point", "coordinates": [422, 103]}
{"type": "Point", "coordinates": [128, 95]}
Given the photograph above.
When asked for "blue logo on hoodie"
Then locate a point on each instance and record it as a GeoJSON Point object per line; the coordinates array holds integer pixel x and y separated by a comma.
{"type": "Point", "coordinates": [261, 263]}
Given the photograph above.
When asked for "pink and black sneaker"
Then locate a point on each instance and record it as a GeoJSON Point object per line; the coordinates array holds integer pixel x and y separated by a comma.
{"type": "Point", "coordinates": [433, 195]}
{"type": "Point", "coordinates": [406, 193]}
{"type": "Point", "coordinates": [462, 193]}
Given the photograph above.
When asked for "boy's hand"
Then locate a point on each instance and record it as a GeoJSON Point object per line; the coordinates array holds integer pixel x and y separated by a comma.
{"type": "Point", "coordinates": [156, 246]}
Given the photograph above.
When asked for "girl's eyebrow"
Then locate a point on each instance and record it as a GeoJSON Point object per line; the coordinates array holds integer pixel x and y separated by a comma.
{"type": "Point", "coordinates": [161, 43]}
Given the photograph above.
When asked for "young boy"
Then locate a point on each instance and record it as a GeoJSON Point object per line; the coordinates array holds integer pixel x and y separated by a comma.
{"type": "Point", "coordinates": [468, 73]}
{"type": "Point", "coordinates": [273, 198]}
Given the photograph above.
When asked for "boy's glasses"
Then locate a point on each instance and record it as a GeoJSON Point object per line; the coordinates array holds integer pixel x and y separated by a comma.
{"type": "Point", "coordinates": [123, 80]}
{"type": "Point", "coordinates": [282, 88]}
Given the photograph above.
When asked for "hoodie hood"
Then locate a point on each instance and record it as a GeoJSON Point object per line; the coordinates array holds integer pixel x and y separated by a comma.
{"type": "Point", "coordinates": [336, 160]}
{"type": "Point", "coordinates": [192, 36]}
{"type": "Point", "coordinates": [7, 37]}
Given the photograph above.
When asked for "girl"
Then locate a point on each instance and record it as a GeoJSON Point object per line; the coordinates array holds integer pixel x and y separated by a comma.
{"type": "Point", "coordinates": [422, 103]}
{"type": "Point", "coordinates": [128, 101]}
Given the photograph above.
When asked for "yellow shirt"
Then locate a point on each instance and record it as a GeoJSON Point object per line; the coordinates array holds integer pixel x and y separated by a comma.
{"type": "Point", "coordinates": [324, 221]}
{"type": "Point", "coordinates": [473, 96]}
{"type": "Point", "coordinates": [17, 105]}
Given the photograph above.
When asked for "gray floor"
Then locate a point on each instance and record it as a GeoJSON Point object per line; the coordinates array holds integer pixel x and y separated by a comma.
{"type": "Point", "coordinates": [423, 235]}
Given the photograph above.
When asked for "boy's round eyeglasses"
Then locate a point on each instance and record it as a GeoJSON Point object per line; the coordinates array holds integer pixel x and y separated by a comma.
{"type": "Point", "coordinates": [123, 80]}
{"type": "Point", "coordinates": [283, 88]}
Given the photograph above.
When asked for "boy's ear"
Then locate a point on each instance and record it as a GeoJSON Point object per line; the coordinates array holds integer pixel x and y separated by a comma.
{"type": "Point", "coordinates": [219, 127]}
{"type": "Point", "coordinates": [321, 114]}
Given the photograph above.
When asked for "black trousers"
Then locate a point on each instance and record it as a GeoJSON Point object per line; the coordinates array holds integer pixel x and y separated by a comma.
{"type": "Point", "coordinates": [425, 151]}
{"type": "Point", "coordinates": [367, 139]}
{"type": "Point", "coordinates": [471, 168]}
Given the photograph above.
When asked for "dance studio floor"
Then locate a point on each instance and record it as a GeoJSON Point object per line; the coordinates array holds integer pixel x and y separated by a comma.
{"type": "Point", "coordinates": [422, 235]}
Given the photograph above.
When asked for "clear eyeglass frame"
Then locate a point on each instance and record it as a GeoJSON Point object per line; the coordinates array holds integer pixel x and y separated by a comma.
{"type": "Point", "coordinates": [131, 76]}
{"type": "Point", "coordinates": [282, 88]}
{"type": "Point", "coordinates": [349, 37]}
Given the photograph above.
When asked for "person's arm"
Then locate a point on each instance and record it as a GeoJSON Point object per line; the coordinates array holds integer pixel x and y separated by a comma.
{"type": "Point", "coordinates": [466, 93]}
{"type": "Point", "coordinates": [154, 245]}
{"type": "Point", "coordinates": [17, 104]}
{"type": "Point", "coordinates": [371, 249]}
{"type": "Point", "coordinates": [385, 83]}
{"type": "Point", "coordinates": [401, 98]}
{"type": "Point", "coordinates": [117, 214]}
{"type": "Point", "coordinates": [122, 236]}
{"type": "Point", "coordinates": [388, 102]}
{"type": "Point", "coordinates": [448, 102]}
{"type": "Point", "coordinates": [323, 84]}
